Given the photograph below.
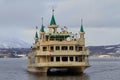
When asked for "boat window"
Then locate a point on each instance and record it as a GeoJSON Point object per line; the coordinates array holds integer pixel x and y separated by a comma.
{"type": "Point", "coordinates": [76, 58]}
{"type": "Point", "coordinates": [51, 39]}
{"type": "Point", "coordinates": [61, 39]}
{"type": "Point", "coordinates": [38, 47]}
{"type": "Point", "coordinates": [51, 59]}
{"type": "Point", "coordinates": [71, 58]}
{"type": "Point", "coordinates": [71, 48]}
{"type": "Point", "coordinates": [78, 48]}
{"type": "Point", "coordinates": [44, 48]}
{"type": "Point", "coordinates": [80, 59]}
{"type": "Point", "coordinates": [64, 58]}
{"type": "Point", "coordinates": [57, 39]}
{"type": "Point", "coordinates": [47, 37]}
{"type": "Point", "coordinates": [57, 58]}
{"type": "Point", "coordinates": [51, 48]}
{"type": "Point", "coordinates": [57, 47]}
{"type": "Point", "coordinates": [64, 48]}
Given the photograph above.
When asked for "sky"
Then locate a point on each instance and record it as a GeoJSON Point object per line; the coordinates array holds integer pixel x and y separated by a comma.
{"type": "Point", "coordinates": [101, 19]}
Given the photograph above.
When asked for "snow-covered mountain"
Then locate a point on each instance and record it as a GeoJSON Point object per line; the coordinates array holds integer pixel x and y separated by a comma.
{"type": "Point", "coordinates": [108, 49]}
{"type": "Point", "coordinates": [14, 43]}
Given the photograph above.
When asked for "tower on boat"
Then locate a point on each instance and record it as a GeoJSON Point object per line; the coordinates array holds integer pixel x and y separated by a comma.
{"type": "Point", "coordinates": [58, 49]}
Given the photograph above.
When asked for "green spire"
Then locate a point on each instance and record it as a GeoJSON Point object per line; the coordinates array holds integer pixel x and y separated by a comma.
{"type": "Point", "coordinates": [42, 27]}
{"type": "Point", "coordinates": [53, 19]}
{"type": "Point", "coordinates": [36, 35]}
{"type": "Point", "coordinates": [81, 29]}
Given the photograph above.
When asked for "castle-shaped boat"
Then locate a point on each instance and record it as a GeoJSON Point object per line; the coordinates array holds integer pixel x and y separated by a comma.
{"type": "Point", "coordinates": [55, 49]}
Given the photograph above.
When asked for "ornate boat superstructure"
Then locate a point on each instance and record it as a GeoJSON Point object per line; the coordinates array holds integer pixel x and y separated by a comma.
{"type": "Point", "coordinates": [58, 49]}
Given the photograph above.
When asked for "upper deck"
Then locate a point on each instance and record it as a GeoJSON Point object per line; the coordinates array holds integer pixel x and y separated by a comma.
{"type": "Point", "coordinates": [63, 53]}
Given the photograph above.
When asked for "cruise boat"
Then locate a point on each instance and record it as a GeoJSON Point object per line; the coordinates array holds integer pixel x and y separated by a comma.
{"type": "Point", "coordinates": [58, 49]}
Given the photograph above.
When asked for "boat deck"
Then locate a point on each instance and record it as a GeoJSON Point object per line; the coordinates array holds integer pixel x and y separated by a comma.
{"type": "Point", "coordinates": [60, 64]}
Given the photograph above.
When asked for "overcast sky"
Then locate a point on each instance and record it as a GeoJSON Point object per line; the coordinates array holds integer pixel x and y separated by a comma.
{"type": "Point", "coordinates": [101, 18]}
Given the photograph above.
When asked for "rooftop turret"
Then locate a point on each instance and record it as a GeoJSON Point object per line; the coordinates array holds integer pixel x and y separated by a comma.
{"type": "Point", "coordinates": [53, 26]}
{"type": "Point", "coordinates": [42, 27]}
{"type": "Point", "coordinates": [81, 29]}
{"type": "Point", "coordinates": [53, 22]}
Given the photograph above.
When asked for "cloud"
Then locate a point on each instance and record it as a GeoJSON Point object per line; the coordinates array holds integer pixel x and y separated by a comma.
{"type": "Point", "coordinates": [28, 12]}
{"type": "Point", "coordinates": [102, 36]}
{"type": "Point", "coordinates": [95, 13]}
{"type": "Point", "coordinates": [21, 12]}
{"type": "Point", "coordinates": [18, 18]}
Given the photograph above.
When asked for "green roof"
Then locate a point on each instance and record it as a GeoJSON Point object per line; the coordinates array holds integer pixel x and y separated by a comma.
{"type": "Point", "coordinates": [81, 30]}
{"type": "Point", "coordinates": [57, 36]}
{"type": "Point", "coordinates": [42, 28]}
{"type": "Point", "coordinates": [52, 21]}
{"type": "Point", "coordinates": [36, 35]}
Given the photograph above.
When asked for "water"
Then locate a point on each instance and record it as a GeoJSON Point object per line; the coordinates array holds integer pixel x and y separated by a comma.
{"type": "Point", "coordinates": [101, 69]}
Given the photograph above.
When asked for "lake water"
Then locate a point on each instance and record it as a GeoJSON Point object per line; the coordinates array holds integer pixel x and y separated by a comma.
{"type": "Point", "coordinates": [101, 69]}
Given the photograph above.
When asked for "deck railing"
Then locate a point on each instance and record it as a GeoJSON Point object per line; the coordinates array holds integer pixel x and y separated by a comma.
{"type": "Point", "coordinates": [45, 53]}
{"type": "Point", "coordinates": [61, 64]}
